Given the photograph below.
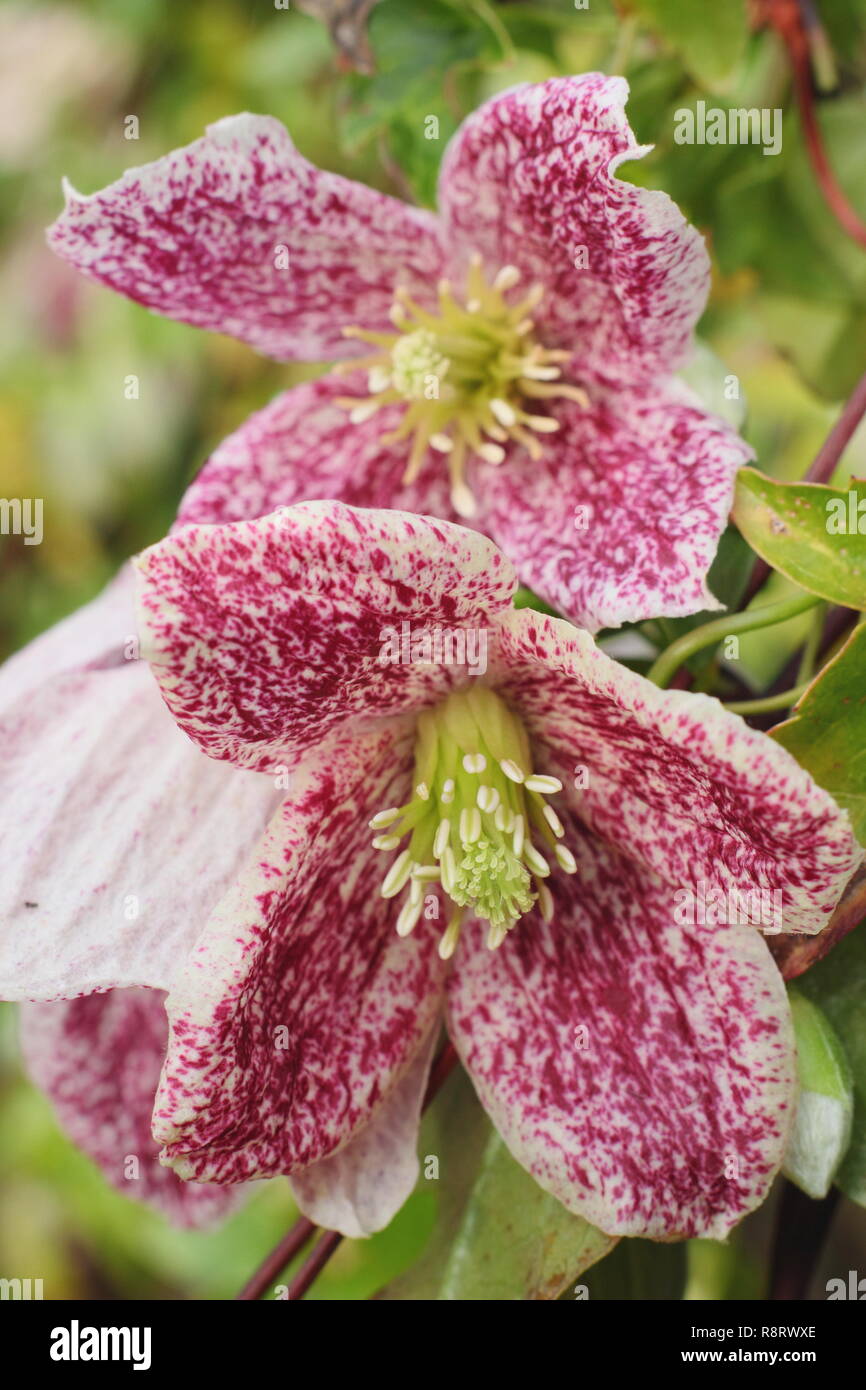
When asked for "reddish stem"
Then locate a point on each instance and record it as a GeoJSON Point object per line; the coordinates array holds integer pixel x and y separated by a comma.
{"type": "Point", "coordinates": [314, 1264]}
{"type": "Point", "coordinates": [824, 464]}
{"type": "Point", "coordinates": [280, 1256]}
{"type": "Point", "coordinates": [303, 1229]}
{"type": "Point", "coordinates": [834, 197]}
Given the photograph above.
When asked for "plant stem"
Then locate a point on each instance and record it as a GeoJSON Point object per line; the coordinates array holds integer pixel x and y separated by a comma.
{"type": "Point", "coordinates": [667, 665]}
{"type": "Point", "coordinates": [767, 703]}
{"type": "Point", "coordinates": [297, 1237]}
{"type": "Point", "coordinates": [277, 1260]}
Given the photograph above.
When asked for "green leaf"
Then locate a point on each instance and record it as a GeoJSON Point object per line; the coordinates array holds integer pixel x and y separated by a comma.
{"type": "Point", "coordinates": [498, 1236]}
{"type": "Point", "coordinates": [405, 102]}
{"type": "Point", "coordinates": [455, 1130]}
{"type": "Point", "coordinates": [827, 733]}
{"type": "Point", "coordinates": [710, 39]}
{"type": "Point", "coordinates": [798, 529]}
{"type": "Point", "coordinates": [837, 985]}
{"type": "Point", "coordinates": [825, 1104]}
{"type": "Point", "coordinates": [639, 1270]}
{"type": "Point", "coordinates": [516, 1241]}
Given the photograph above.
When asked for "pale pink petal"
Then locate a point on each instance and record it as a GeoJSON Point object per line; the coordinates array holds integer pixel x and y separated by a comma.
{"type": "Point", "coordinates": [620, 519]}
{"type": "Point", "coordinates": [530, 180]}
{"type": "Point", "coordinates": [642, 1072]}
{"type": "Point", "coordinates": [99, 1060]}
{"type": "Point", "coordinates": [301, 447]}
{"type": "Point", "coordinates": [300, 1008]}
{"type": "Point", "coordinates": [359, 1189]}
{"type": "Point", "coordinates": [265, 636]}
{"type": "Point", "coordinates": [112, 816]}
{"type": "Point", "coordinates": [675, 781]}
{"type": "Point", "coordinates": [239, 233]}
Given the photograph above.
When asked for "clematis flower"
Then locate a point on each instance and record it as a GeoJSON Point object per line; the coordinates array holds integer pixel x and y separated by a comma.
{"type": "Point", "coordinates": [505, 850]}
{"type": "Point", "coordinates": [510, 359]}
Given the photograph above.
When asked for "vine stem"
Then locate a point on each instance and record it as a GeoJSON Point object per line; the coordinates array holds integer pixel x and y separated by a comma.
{"type": "Point", "coordinates": [667, 665]}
{"type": "Point", "coordinates": [295, 1239]}
{"type": "Point", "coordinates": [796, 24]}
{"type": "Point", "coordinates": [767, 703]}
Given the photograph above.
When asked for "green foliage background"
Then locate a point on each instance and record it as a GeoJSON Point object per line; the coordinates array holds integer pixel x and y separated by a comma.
{"type": "Point", "coordinates": [787, 315]}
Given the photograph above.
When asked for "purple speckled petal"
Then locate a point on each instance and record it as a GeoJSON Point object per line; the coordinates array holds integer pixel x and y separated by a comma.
{"type": "Point", "coordinates": [109, 863]}
{"type": "Point", "coordinates": [359, 1189]}
{"type": "Point", "coordinates": [99, 1061]}
{"type": "Point", "coordinates": [642, 1072]}
{"type": "Point", "coordinates": [675, 781]}
{"type": "Point", "coordinates": [267, 635]}
{"type": "Point", "coordinates": [302, 447]}
{"type": "Point", "coordinates": [530, 180]}
{"type": "Point", "coordinates": [240, 234]}
{"type": "Point", "coordinates": [621, 517]}
{"type": "Point", "coordinates": [300, 1008]}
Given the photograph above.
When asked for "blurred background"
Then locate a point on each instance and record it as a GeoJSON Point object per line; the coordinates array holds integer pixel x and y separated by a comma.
{"type": "Point", "coordinates": [787, 316]}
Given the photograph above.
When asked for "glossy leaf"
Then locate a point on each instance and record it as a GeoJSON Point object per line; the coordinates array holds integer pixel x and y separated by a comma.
{"type": "Point", "coordinates": [516, 1241]}
{"type": "Point", "coordinates": [498, 1235]}
{"type": "Point", "coordinates": [808, 532]}
{"type": "Point", "coordinates": [837, 985]}
{"type": "Point", "coordinates": [825, 1104]}
{"type": "Point", "coordinates": [827, 734]}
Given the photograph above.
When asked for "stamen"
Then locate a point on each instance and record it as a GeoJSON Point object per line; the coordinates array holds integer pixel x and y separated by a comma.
{"type": "Point", "coordinates": [547, 785]}
{"type": "Point", "coordinates": [537, 863]}
{"type": "Point", "coordinates": [511, 770]}
{"type": "Point", "coordinates": [386, 842]}
{"type": "Point", "coordinates": [475, 762]}
{"type": "Point", "coordinates": [441, 839]}
{"type": "Point", "coordinates": [397, 875]}
{"type": "Point", "coordinates": [442, 443]}
{"type": "Point", "coordinates": [408, 918]}
{"type": "Point", "coordinates": [545, 901]}
{"type": "Point", "coordinates": [566, 859]}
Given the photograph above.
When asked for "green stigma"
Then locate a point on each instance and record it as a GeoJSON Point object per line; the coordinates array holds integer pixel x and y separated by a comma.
{"type": "Point", "coordinates": [467, 376]}
{"type": "Point", "coordinates": [475, 820]}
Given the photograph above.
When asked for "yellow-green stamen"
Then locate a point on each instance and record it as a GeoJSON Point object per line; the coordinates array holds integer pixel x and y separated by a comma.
{"type": "Point", "coordinates": [477, 820]}
{"type": "Point", "coordinates": [468, 376]}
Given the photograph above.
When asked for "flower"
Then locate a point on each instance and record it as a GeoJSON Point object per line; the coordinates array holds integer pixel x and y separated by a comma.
{"type": "Point", "coordinates": [533, 390]}
{"type": "Point", "coordinates": [641, 1068]}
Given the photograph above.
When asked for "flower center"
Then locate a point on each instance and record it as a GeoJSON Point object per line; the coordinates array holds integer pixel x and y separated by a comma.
{"type": "Point", "coordinates": [467, 376]}
{"type": "Point", "coordinates": [473, 820]}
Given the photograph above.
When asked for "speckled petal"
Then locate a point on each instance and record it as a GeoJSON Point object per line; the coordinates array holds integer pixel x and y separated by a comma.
{"type": "Point", "coordinates": [113, 815]}
{"type": "Point", "coordinates": [530, 179]}
{"type": "Point", "coordinates": [642, 1072]}
{"type": "Point", "coordinates": [300, 1008]}
{"type": "Point", "coordinates": [302, 447]}
{"type": "Point", "coordinates": [240, 234]}
{"type": "Point", "coordinates": [359, 1189]}
{"type": "Point", "coordinates": [677, 782]}
{"type": "Point", "coordinates": [620, 519]}
{"type": "Point", "coordinates": [267, 635]}
{"type": "Point", "coordinates": [99, 1060]}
